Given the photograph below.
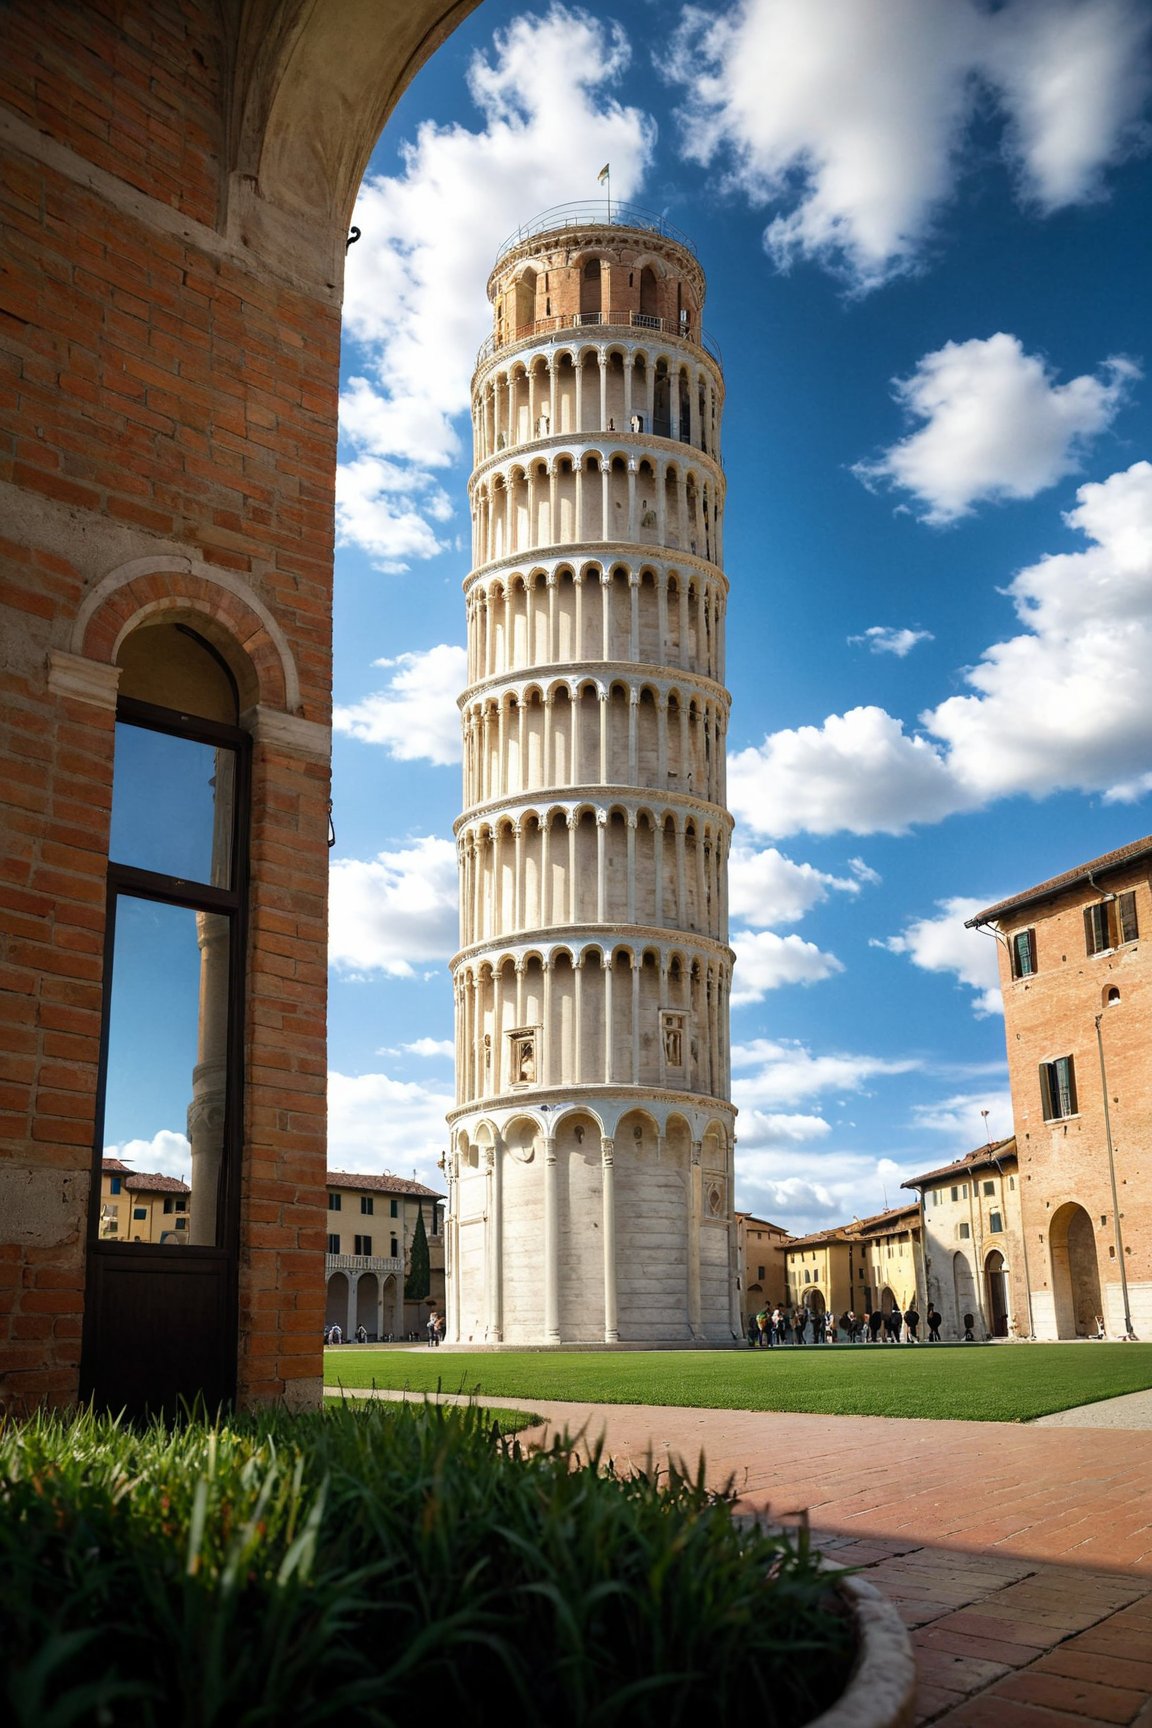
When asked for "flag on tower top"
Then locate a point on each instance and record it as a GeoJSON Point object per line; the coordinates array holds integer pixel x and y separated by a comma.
{"type": "Point", "coordinates": [603, 174]}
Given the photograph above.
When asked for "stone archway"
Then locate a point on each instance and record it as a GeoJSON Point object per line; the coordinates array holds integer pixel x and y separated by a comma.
{"type": "Point", "coordinates": [1075, 1272]}
{"type": "Point", "coordinates": [368, 1303]}
{"type": "Point", "coordinates": [815, 1303]}
{"type": "Point", "coordinates": [964, 1289]}
{"type": "Point", "coordinates": [996, 1282]}
{"type": "Point", "coordinates": [336, 1302]}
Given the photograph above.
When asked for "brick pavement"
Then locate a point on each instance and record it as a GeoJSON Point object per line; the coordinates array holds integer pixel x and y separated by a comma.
{"type": "Point", "coordinates": [1020, 1557]}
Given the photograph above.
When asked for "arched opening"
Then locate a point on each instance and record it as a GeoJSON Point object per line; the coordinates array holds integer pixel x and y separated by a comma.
{"type": "Point", "coordinates": [996, 1280]}
{"type": "Point", "coordinates": [964, 1290]}
{"type": "Point", "coordinates": [649, 294]}
{"type": "Point", "coordinates": [814, 1302]}
{"type": "Point", "coordinates": [1075, 1272]}
{"type": "Point", "coordinates": [591, 292]}
{"type": "Point", "coordinates": [172, 1022]}
{"type": "Point", "coordinates": [367, 1304]}
{"type": "Point", "coordinates": [336, 1301]}
{"type": "Point", "coordinates": [525, 309]}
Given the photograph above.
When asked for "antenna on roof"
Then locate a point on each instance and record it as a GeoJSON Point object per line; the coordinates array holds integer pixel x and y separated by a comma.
{"type": "Point", "coordinates": [987, 1135]}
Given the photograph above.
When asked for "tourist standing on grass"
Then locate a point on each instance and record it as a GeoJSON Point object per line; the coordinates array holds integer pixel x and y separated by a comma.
{"type": "Point", "coordinates": [911, 1325]}
{"type": "Point", "coordinates": [780, 1325]}
{"type": "Point", "coordinates": [894, 1323]}
{"type": "Point", "coordinates": [934, 1319]}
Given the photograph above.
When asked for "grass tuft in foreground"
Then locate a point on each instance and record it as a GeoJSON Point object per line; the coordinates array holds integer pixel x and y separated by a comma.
{"type": "Point", "coordinates": [374, 1565]}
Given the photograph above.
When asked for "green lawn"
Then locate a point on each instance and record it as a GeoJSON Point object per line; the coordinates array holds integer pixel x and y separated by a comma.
{"type": "Point", "coordinates": [981, 1383]}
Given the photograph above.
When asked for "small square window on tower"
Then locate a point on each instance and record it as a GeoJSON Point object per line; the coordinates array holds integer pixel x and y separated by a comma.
{"type": "Point", "coordinates": [672, 1026]}
{"type": "Point", "coordinates": [522, 1056]}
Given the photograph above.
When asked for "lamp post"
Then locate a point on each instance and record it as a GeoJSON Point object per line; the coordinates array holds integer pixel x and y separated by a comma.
{"type": "Point", "coordinates": [1128, 1332]}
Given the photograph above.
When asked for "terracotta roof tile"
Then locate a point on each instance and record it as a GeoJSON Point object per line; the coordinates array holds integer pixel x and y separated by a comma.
{"type": "Point", "coordinates": [383, 1184]}
{"type": "Point", "coordinates": [1130, 854]}
{"type": "Point", "coordinates": [983, 1158]}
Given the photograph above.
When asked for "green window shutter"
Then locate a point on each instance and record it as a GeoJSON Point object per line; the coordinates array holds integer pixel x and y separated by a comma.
{"type": "Point", "coordinates": [1127, 910]}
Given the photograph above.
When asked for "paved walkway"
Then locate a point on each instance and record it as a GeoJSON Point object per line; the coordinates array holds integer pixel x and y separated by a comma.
{"type": "Point", "coordinates": [1020, 1556]}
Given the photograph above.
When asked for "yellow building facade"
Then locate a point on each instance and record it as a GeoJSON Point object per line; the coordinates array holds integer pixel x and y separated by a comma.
{"type": "Point", "coordinates": [372, 1220]}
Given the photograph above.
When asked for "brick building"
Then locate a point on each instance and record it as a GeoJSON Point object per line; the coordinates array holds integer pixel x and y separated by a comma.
{"type": "Point", "coordinates": [176, 183]}
{"type": "Point", "coordinates": [1077, 985]}
{"type": "Point", "coordinates": [974, 1259]}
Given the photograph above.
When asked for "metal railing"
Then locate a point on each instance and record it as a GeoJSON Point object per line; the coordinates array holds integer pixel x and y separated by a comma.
{"type": "Point", "coordinates": [595, 213]}
{"type": "Point", "coordinates": [386, 1263]}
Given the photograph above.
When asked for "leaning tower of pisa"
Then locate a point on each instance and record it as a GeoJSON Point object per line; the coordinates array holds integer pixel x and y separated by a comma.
{"type": "Point", "coordinates": [590, 1168]}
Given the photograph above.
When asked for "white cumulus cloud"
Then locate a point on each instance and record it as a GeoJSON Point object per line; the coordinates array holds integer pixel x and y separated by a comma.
{"type": "Point", "coordinates": [378, 1125]}
{"type": "Point", "coordinates": [1064, 704]}
{"type": "Point", "coordinates": [765, 961]}
{"type": "Point", "coordinates": [431, 1048]}
{"type": "Point", "coordinates": [1060, 706]}
{"type": "Point", "coordinates": [859, 771]}
{"type": "Point", "coordinates": [167, 1153]}
{"type": "Point", "coordinates": [765, 887]}
{"type": "Point", "coordinates": [850, 121]}
{"type": "Point", "coordinates": [960, 1121]}
{"type": "Point", "coordinates": [394, 912]}
{"type": "Point", "coordinates": [942, 944]}
{"type": "Point", "coordinates": [769, 1073]}
{"type": "Point", "coordinates": [886, 639]}
{"type": "Point", "coordinates": [415, 716]}
{"type": "Point", "coordinates": [415, 311]}
{"type": "Point", "coordinates": [996, 425]}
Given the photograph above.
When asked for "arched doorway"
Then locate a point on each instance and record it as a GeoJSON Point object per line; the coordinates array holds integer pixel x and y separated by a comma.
{"type": "Point", "coordinates": [964, 1289]}
{"type": "Point", "coordinates": [996, 1281]}
{"type": "Point", "coordinates": [1075, 1272]}
{"type": "Point", "coordinates": [367, 1303]}
{"type": "Point", "coordinates": [814, 1302]}
{"type": "Point", "coordinates": [336, 1305]}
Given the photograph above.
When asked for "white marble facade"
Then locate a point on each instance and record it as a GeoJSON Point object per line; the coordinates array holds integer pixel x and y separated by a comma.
{"type": "Point", "coordinates": [590, 1168]}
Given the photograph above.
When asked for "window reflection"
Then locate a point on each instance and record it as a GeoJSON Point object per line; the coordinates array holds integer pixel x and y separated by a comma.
{"type": "Point", "coordinates": [172, 805]}
{"type": "Point", "coordinates": [167, 1048]}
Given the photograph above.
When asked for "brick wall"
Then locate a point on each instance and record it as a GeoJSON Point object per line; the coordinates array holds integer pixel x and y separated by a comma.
{"type": "Point", "coordinates": [167, 444]}
{"type": "Point", "coordinates": [1065, 1162]}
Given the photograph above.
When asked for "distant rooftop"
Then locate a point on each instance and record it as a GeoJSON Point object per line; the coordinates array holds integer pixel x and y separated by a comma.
{"type": "Point", "coordinates": [383, 1184]}
{"type": "Point", "coordinates": [595, 213]}
{"type": "Point", "coordinates": [993, 1153]}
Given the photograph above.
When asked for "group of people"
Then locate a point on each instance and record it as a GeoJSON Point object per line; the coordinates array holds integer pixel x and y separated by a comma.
{"type": "Point", "coordinates": [333, 1335]}
{"type": "Point", "coordinates": [778, 1326]}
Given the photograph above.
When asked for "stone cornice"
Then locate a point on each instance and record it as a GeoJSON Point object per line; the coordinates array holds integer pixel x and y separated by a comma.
{"type": "Point", "coordinates": [84, 680]}
{"type": "Point", "coordinates": [289, 734]}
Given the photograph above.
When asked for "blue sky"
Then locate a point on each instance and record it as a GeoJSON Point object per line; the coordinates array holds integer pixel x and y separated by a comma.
{"type": "Point", "coordinates": [925, 226]}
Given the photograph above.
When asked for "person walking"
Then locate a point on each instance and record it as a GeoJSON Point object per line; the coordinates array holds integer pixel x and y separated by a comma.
{"type": "Point", "coordinates": [911, 1324]}
{"type": "Point", "coordinates": [934, 1319]}
{"type": "Point", "coordinates": [875, 1324]}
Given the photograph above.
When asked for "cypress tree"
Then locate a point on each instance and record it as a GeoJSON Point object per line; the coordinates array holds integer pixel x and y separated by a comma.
{"type": "Point", "coordinates": [419, 1279]}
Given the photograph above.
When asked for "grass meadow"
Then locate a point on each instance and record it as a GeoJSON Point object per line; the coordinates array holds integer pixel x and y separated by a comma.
{"type": "Point", "coordinates": [976, 1383]}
